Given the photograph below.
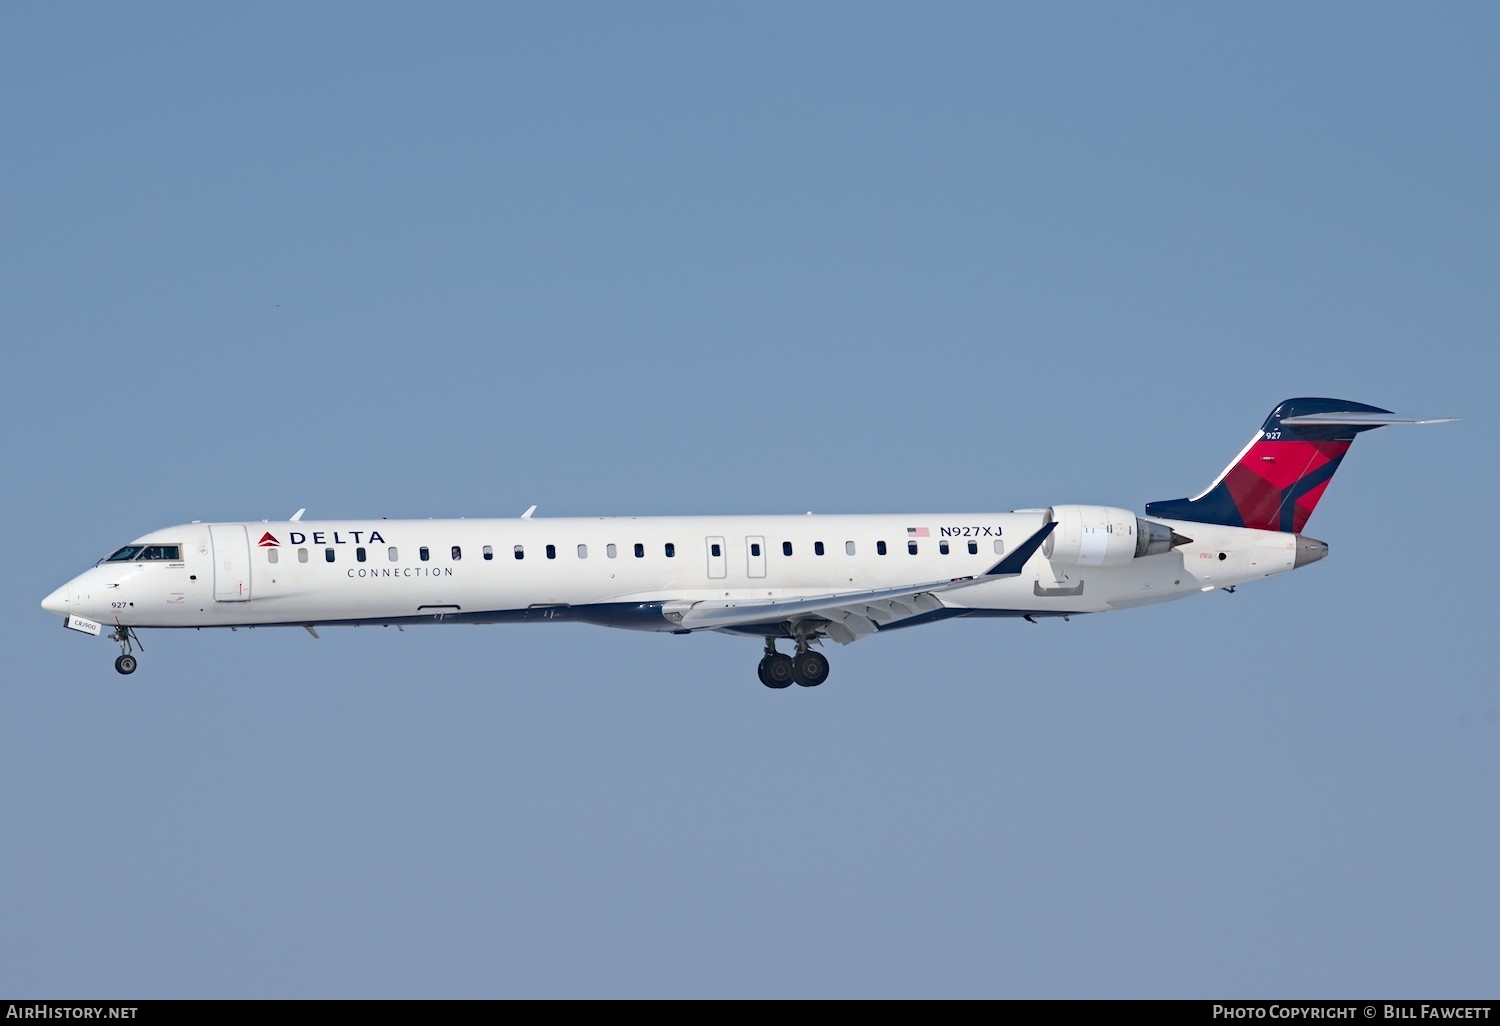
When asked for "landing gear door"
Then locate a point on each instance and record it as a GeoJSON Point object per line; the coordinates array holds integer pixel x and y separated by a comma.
{"type": "Point", "coordinates": [231, 547]}
{"type": "Point", "coordinates": [718, 559]}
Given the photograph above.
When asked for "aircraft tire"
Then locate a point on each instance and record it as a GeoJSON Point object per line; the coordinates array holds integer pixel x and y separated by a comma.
{"type": "Point", "coordinates": [810, 669]}
{"type": "Point", "coordinates": [125, 664]}
{"type": "Point", "coordinates": [776, 671]}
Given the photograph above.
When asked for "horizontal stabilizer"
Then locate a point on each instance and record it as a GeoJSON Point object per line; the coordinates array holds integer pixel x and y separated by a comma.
{"type": "Point", "coordinates": [1362, 419]}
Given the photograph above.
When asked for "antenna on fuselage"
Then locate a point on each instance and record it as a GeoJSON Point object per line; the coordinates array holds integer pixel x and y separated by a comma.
{"type": "Point", "coordinates": [529, 510]}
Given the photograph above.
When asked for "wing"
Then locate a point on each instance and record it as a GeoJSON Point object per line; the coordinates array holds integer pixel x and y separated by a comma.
{"type": "Point", "coordinates": [848, 615]}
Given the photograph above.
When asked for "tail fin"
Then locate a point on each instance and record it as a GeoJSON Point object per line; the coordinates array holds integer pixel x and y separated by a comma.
{"type": "Point", "coordinates": [1276, 481]}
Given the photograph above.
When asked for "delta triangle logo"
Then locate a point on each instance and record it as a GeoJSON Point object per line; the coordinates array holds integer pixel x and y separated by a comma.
{"type": "Point", "coordinates": [268, 541]}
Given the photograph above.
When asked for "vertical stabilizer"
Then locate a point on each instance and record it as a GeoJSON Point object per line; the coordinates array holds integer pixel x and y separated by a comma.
{"type": "Point", "coordinates": [1275, 482]}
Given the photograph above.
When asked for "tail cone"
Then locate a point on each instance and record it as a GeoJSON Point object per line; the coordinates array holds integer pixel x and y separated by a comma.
{"type": "Point", "coordinates": [1309, 550]}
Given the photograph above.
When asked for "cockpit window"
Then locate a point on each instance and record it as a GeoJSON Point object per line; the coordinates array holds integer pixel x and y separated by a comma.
{"type": "Point", "coordinates": [153, 552]}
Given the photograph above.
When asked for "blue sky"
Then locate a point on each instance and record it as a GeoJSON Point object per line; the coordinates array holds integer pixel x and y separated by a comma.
{"type": "Point", "coordinates": [455, 259]}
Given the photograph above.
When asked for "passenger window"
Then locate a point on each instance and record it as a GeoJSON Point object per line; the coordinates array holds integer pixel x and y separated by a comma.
{"type": "Point", "coordinates": [457, 553]}
{"type": "Point", "coordinates": [551, 551]}
{"type": "Point", "coordinates": [328, 554]}
{"type": "Point", "coordinates": [817, 548]}
{"type": "Point", "coordinates": [999, 547]}
{"type": "Point", "coordinates": [640, 550]}
{"type": "Point", "coordinates": [611, 551]}
{"type": "Point", "coordinates": [755, 548]}
{"type": "Point", "coordinates": [392, 553]}
{"type": "Point", "coordinates": [973, 548]}
{"type": "Point", "coordinates": [911, 548]}
{"type": "Point", "coordinates": [714, 548]}
{"type": "Point", "coordinates": [302, 555]}
{"type": "Point", "coordinates": [943, 546]}
{"type": "Point", "coordinates": [583, 552]}
{"type": "Point", "coordinates": [489, 552]}
{"type": "Point", "coordinates": [359, 554]}
{"type": "Point", "coordinates": [849, 548]}
{"type": "Point", "coordinates": [271, 555]}
{"type": "Point", "coordinates": [520, 552]}
{"type": "Point", "coordinates": [786, 548]}
{"type": "Point", "coordinates": [880, 548]}
{"type": "Point", "coordinates": [671, 550]}
{"type": "Point", "coordinates": [423, 554]}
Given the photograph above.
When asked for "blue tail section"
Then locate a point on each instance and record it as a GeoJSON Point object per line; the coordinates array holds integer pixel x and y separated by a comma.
{"type": "Point", "coordinates": [1276, 482]}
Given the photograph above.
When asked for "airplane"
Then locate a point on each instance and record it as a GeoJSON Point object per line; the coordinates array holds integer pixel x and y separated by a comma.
{"type": "Point", "coordinates": [805, 579]}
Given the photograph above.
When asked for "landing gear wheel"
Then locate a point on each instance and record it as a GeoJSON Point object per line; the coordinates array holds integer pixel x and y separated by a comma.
{"type": "Point", "coordinates": [125, 664]}
{"type": "Point", "coordinates": [776, 671]}
{"type": "Point", "coordinates": [810, 668]}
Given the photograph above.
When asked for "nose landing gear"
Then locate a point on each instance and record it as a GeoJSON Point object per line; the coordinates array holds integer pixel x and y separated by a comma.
{"type": "Point", "coordinates": [126, 663]}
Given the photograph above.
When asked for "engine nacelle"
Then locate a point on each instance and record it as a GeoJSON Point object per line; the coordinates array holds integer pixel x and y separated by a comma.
{"type": "Point", "coordinates": [1104, 536]}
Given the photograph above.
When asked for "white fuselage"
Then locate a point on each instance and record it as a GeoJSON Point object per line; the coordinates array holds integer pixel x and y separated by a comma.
{"type": "Point", "coordinates": [619, 571]}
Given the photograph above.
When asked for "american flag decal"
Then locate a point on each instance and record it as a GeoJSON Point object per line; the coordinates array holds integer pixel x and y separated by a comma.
{"type": "Point", "coordinates": [918, 532]}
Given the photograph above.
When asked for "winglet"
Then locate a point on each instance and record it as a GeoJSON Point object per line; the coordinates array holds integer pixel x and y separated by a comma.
{"type": "Point", "coordinates": [1011, 565]}
{"type": "Point", "coordinates": [529, 510]}
{"type": "Point", "coordinates": [298, 515]}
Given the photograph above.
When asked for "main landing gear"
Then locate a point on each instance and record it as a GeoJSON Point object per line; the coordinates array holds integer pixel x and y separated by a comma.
{"type": "Point", "coordinates": [807, 668]}
{"type": "Point", "coordinates": [125, 635]}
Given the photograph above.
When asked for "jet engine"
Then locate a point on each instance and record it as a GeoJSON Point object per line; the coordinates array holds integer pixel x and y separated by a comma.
{"type": "Point", "coordinates": [1105, 536]}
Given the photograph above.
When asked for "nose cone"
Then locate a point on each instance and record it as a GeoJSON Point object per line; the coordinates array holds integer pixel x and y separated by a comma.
{"type": "Point", "coordinates": [57, 602]}
{"type": "Point", "coordinates": [1309, 550]}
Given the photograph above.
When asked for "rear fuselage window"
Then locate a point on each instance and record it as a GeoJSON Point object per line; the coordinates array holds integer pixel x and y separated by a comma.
{"type": "Point", "coordinates": [999, 547]}
{"type": "Point", "coordinates": [424, 554]}
{"type": "Point", "coordinates": [786, 548]}
{"type": "Point", "coordinates": [715, 550]}
{"type": "Point", "coordinates": [392, 553]}
{"type": "Point", "coordinates": [849, 548]}
{"type": "Point", "coordinates": [817, 548]}
{"type": "Point", "coordinates": [640, 550]}
{"type": "Point", "coordinates": [754, 549]}
{"type": "Point", "coordinates": [489, 552]}
{"type": "Point", "coordinates": [458, 553]}
{"type": "Point", "coordinates": [328, 554]}
{"type": "Point", "coordinates": [551, 551]}
{"type": "Point", "coordinates": [520, 552]}
{"type": "Point", "coordinates": [302, 555]}
{"type": "Point", "coordinates": [611, 551]}
{"type": "Point", "coordinates": [583, 552]}
{"type": "Point", "coordinates": [880, 548]}
{"type": "Point", "coordinates": [672, 550]}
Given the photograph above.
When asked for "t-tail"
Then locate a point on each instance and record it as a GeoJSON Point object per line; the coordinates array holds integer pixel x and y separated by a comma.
{"type": "Point", "coordinates": [1274, 484]}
